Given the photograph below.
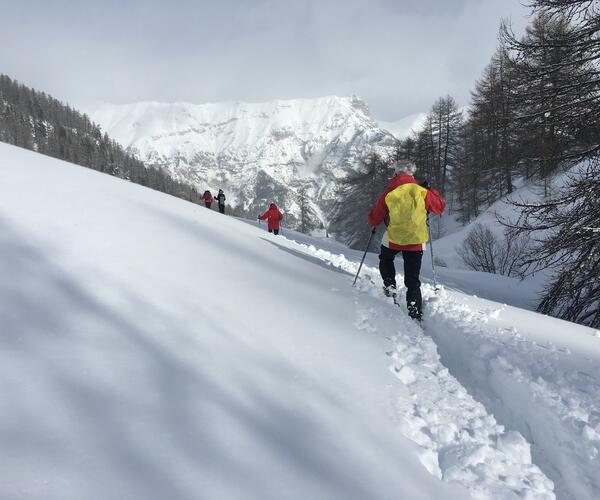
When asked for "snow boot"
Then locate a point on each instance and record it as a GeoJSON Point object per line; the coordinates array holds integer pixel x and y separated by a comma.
{"type": "Point", "coordinates": [389, 291]}
{"type": "Point", "coordinates": [414, 312]}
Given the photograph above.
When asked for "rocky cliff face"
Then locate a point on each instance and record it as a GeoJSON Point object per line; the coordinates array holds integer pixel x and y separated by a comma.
{"type": "Point", "coordinates": [257, 153]}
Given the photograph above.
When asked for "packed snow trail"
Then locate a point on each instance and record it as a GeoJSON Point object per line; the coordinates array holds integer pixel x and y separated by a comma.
{"type": "Point", "coordinates": [537, 375]}
{"type": "Point", "coordinates": [459, 440]}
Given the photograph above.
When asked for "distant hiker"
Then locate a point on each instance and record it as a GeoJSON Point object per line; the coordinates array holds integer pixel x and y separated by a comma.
{"type": "Point", "coordinates": [208, 198]}
{"type": "Point", "coordinates": [273, 216]}
{"type": "Point", "coordinates": [404, 206]}
{"type": "Point", "coordinates": [221, 201]}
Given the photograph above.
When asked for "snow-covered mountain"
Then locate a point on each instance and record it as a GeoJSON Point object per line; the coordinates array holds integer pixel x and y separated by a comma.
{"type": "Point", "coordinates": [256, 152]}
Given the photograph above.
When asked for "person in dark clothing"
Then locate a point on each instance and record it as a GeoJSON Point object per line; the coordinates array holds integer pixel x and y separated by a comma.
{"type": "Point", "coordinates": [412, 269]}
{"type": "Point", "coordinates": [208, 198]}
{"type": "Point", "coordinates": [273, 216]}
{"type": "Point", "coordinates": [221, 201]}
{"type": "Point", "coordinates": [404, 206]}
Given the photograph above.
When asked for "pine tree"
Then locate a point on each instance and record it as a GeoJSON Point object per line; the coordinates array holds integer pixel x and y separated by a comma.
{"type": "Point", "coordinates": [551, 76]}
{"type": "Point", "coordinates": [36, 121]}
{"type": "Point", "coordinates": [308, 217]}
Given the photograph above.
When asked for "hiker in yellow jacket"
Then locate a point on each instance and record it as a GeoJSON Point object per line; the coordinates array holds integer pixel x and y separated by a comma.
{"type": "Point", "coordinates": [404, 206]}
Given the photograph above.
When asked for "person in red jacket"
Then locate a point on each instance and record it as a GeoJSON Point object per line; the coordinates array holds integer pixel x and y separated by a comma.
{"type": "Point", "coordinates": [207, 197]}
{"type": "Point", "coordinates": [273, 216]}
{"type": "Point", "coordinates": [404, 206]}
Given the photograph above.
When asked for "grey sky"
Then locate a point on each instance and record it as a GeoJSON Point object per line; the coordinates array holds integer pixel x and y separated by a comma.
{"type": "Point", "coordinates": [398, 55]}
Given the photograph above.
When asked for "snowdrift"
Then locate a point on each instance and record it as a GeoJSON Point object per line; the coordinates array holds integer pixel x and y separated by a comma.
{"type": "Point", "coordinates": [151, 348]}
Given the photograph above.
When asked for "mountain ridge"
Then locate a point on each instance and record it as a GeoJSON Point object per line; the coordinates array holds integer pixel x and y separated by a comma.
{"type": "Point", "coordinates": [257, 152]}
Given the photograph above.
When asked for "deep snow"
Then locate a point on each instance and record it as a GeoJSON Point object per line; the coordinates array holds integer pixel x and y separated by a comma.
{"type": "Point", "coordinates": [151, 348]}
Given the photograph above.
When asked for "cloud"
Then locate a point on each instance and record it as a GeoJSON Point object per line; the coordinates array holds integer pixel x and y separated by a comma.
{"type": "Point", "coordinates": [398, 55]}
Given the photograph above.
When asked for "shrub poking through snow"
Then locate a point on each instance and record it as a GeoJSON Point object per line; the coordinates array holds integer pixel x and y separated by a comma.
{"type": "Point", "coordinates": [483, 251]}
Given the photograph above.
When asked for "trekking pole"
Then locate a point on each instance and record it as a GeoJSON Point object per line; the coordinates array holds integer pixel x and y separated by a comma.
{"type": "Point", "coordinates": [364, 255]}
{"type": "Point", "coordinates": [435, 286]}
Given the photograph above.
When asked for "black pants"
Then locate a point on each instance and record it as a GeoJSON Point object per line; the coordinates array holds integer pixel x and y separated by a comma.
{"type": "Point", "coordinates": [222, 209]}
{"type": "Point", "coordinates": [276, 231]}
{"type": "Point", "coordinates": [208, 204]}
{"type": "Point", "coordinates": [412, 270]}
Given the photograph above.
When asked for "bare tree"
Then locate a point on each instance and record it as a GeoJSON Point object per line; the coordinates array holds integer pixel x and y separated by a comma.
{"type": "Point", "coordinates": [483, 251]}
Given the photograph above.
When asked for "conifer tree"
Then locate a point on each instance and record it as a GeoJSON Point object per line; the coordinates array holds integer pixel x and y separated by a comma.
{"type": "Point", "coordinates": [562, 55]}
{"type": "Point", "coordinates": [36, 121]}
{"type": "Point", "coordinates": [356, 194]}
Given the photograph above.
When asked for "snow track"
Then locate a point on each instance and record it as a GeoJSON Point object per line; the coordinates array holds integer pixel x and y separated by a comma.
{"type": "Point", "coordinates": [537, 376]}
{"type": "Point", "coordinates": [531, 386]}
{"type": "Point", "coordinates": [460, 440]}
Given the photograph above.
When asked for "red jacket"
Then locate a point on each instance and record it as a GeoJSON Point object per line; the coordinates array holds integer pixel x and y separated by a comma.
{"type": "Point", "coordinates": [207, 197]}
{"type": "Point", "coordinates": [273, 215]}
{"type": "Point", "coordinates": [433, 203]}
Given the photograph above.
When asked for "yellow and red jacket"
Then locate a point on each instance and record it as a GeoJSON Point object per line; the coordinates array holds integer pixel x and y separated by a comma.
{"type": "Point", "coordinates": [404, 205]}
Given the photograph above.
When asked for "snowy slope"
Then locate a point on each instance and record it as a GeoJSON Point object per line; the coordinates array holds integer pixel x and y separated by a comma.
{"type": "Point", "coordinates": [257, 152]}
{"type": "Point", "coordinates": [522, 293]}
{"type": "Point", "coordinates": [154, 349]}
{"type": "Point", "coordinates": [531, 191]}
{"type": "Point", "coordinates": [151, 348]}
{"type": "Point", "coordinates": [537, 375]}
